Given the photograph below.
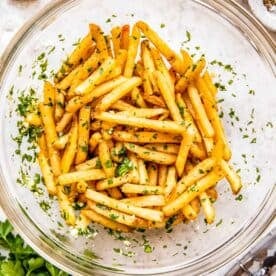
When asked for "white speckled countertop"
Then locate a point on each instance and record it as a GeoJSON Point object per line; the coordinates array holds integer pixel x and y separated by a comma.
{"type": "Point", "coordinates": [13, 13]}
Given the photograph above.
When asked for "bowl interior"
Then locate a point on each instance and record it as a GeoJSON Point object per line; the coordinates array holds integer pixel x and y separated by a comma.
{"type": "Point", "coordinates": [247, 106]}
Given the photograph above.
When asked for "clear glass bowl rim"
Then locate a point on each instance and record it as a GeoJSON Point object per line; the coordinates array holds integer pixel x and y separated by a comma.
{"type": "Point", "coordinates": [209, 262]}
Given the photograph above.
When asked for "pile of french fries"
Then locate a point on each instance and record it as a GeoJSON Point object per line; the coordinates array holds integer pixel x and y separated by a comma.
{"type": "Point", "coordinates": [131, 130]}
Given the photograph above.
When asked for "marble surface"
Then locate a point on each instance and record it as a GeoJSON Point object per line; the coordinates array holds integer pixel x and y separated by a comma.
{"type": "Point", "coordinates": [13, 13]}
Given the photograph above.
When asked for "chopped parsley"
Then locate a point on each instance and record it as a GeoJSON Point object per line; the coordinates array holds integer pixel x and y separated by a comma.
{"type": "Point", "coordinates": [239, 197]}
{"type": "Point", "coordinates": [125, 167]}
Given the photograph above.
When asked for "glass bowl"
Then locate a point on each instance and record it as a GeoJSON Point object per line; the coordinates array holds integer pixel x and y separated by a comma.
{"type": "Point", "coordinates": [224, 32]}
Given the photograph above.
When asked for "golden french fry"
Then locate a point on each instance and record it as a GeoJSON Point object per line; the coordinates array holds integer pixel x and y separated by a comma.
{"type": "Point", "coordinates": [83, 134]}
{"type": "Point", "coordinates": [93, 163]}
{"type": "Point", "coordinates": [97, 36]}
{"type": "Point", "coordinates": [150, 155]}
{"type": "Point", "coordinates": [59, 105]}
{"type": "Point", "coordinates": [183, 153]}
{"type": "Point", "coordinates": [47, 117]}
{"type": "Point", "coordinates": [115, 193]}
{"type": "Point", "coordinates": [162, 175]}
{"type": "Point", "coordinates": [208, 208]}
{"type": "Point", "coordinates": [145, 136]}
{"type": "Point", "coordinates": [105, 158]}
{"type": "Point", "coordinates": [121, 59]}
{"type": "Point", "coordinates": [81, 187]}
{"type": "Point", "coordinates": [132, 51]}
{"type": "Point", "coordinates": [155, 100]}
{"type": "Point", "coordinates": [142, 189]}
{"type": "Point", "coordinates": [114, 182]}
{"type": "Point", "coordinates": [47, 173]}
{"type": "Point", "coordinates": [152, 174]}
{"type": "Point", "coordinates": [187, 61]}
{"type": "Point", "coordinates": [232, 177]}
{"type": "Point", "coordinates": [116, 34]}
{"type": "Point", "coordinates": [145, 201]}
{"type": "Point", "coordinates": [164, 147]}
{"type": "Point", "coordinates": [195, 190]}
{"type": "Point", "coordinates": [94, 141]}
{"type": "Point", "coordinates": [143, 174]}
{"type": "Point", "coordinates": [97, 77]}
{"type": "Point", "coordinates": [162, 126]}
{"type": "Point", "coordinates": [124, 43]}
{"type": "Point", "coordinates": [76, 176]}
{"type": "Point", "coordinates": [144, 112]}
{"type": "Point", "coordinates": [49, 94]}
{"type": "Point", "coordinates": [212, 194]}
{"type": "Point", "coordinates": [43, 145]}
{"type": "Point", "coordinates": [61, 142]}
{"type": "Point", "coordinates": [190, 75]}
{"type": "Point", "coordinates": [167, 95]}
{"type": "Point", "coordinates": [157, 41]}
{"type": "Point", "coordinates": [122, 106]}
{"type": "Point", "coordinates": [82, 51]}
{"type": "Point", "coordinates": [197, 150]}
{"type": "Point", "coordinates": [134, 173]}
{"type": "Point", "coordinates": [118, 92]}
{"type": "Point", "coordinates": [201, 116]}
{"type": "Point", "coordinates": [108, 45]}
{"type": "Point", "coordinates": [208, 80]}
{"type": "Point", "coordinates": [77, 102]}
{"type": "Point", "coordinates": [189, 212]}
{"type": "Point", "coordinates": [137, 98]}
{"type": "Point", "coordinates": [171, 181]}
{"type": "Point", "coordinates": [92, 215]}
{"type": "Point", "coordinates": [66, 82]}
{"type": "Point", "coordinates": [195, 204]}
{"type": "Point", "coordinates": [145, 213]}
{"type": "Point", "coordinates": [64, 121]}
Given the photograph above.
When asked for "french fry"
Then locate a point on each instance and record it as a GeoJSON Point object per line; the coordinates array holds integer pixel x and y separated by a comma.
{"type": "Point", "coordinates": [167, 95]}
{"type": "Point", "coordinates": [232, 177]}
{"type": "Point", "coordinates": [94, 141]}
{"type": "Point", "coordinates": [157, 41]}
{"type": "Point", "coordinates": [82, 51]}
{"type": "Point", "coordinates": [137, 98]}
{"type": "Point", "coordinates": [143, 174]}
{"type": "Point", "coordinates": [132, 51]}
{"type": "Point", "coordinates": [195, 174]}
{"type": "Point", "coordinates": [64, 121]}
{"type": "Point", "coordinates": [33, 119]}
{"type": "Point", "coordinates": [145, 201]}
{"type": "Point", "coordinates": [82, 223]}
{"type": "Point", "coordinates": [155, 100]}
{"type": "Point", "coordinates": [93, 163]}
{"type": "Point", "coordinates": [164, 147]}
{"type": "Point", "coordinates": [183, 153]}
{"type": "Point", "coordinates": [149, 155]}
{"type": "Point", "coordinates": [115, 193]}
{"type": "Point", "coordinates": [70, 150]}
{"type": "Point", "coordinates": [66, 209]}
{"type": "Point", "coordinates": [121, 59]}
{"type": "Point", "coordinates": [97, 36]}
{"type": "Point", "coordinates": [145, 136]}
{"type": "Point", "coordinates": [134, 173]}
{"type": "Point", "coordinates": [115, 35]}
{"type": "Point", "coordinates": [76, 176]}
{"type": "Point", "coordinates": [197, 150]}
{"type": "Point", "coordinates": [77, 102]}
{"type": "Point", "coordinates": [142, 189]}
{"type": "Point", "coordinates": [81, 187]}
{"type": "Point", "coordinates": [118, 92]}
{"type": "Point", "coordinates": [162, 175]}
{"type": "Point", "coordinates": [115, 215]}
{"type": "Point", "coordinates": [97, 77]}
{"type": "Point", "coordinates": [108, 45]}
{"type": "Point", "coordinates": [49, 94]}
{"type": "Point", "coordinates": [92, 215]}
{"type": "Point", "coordinates": [208, 81]}
{"type": "Point", "coordinates": [43, 145]}
{"type": "Point", "coordinates": [171, 181]}
{"type": "Point", "coordinates": [122, 106]}
{"type": "Point", "coordinates": [152, 174]}
{"type": "Point", "coordinates": [201, 116]}
{"type": "Point", "coordinates": [195, 204]}
{"type": "Point", "coordinates": [124, 43]}
{"type": "Point", "coordinates": [186, 197]}
{"type": "Point", "coordinates": [208, 208]}
{"type": "Point", "coordinates": [212, 194]}
{"type": "Point", "coordinates": [105, 158]}
{"type": "Point", "coordinates": [187, 61]}
{"type": "Point", "coordinates": [149, 214]}
{"type": "Point", "coordinates": [47, 173]}
{"type": "Point", "coordinates": [143, 112]}
{"type": "Point", "coordinates": [59, 105]}
{"type": "Point", "coordinates": [47, 117]}
{"type": "Point", "coordinates": [66, 82]}
{"type": "Point", "coordinates": [113, 182]}
{"type": "Point", "coordinates": [190, 75]}
{"type": "Point", "coordinates": [61, 142]}
{"type": "Point", "coordinates": [83, 134]}
{"type": "Point", "coordinates": [189, 212]}
{"type": "Point", "coordinates": [162, 126]}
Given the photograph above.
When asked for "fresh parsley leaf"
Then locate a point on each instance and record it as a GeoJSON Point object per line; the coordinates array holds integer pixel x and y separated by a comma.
{"type": "Point", "coordinates": [125, 167]}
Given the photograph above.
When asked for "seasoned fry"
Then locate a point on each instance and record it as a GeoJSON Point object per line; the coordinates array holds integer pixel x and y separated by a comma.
{"type": "Point", "coordinates": [122, 106]}
{"type": "Point", "coordinates": [134, 173]}
{"type": "Point", "coordinates": [59, 105]}
{"type": "Point", "coordinates": [155, 100]}
{"type": "Point", "coordinates": [143, 174]}
{"type": "Point", "coordinates": [121, 59]}
{"type": "Point", "coordinates": [43, 145]}
{"type": "Point", "coordinates": [152, 174]}
{"type": "Point", "coordinates": [208, 209]}
{"type": "Point", "coordinates": [115, 193]}
{"type": "Point", "coordinates": [105, 158]}
{"type": "Point", "coordinates": [149, 214]}
{"type": "Point", "coordinates": [162, 175]}
{"type": "Point", "coordinates": [116, 34]}
{"type": "Point", "coordinates": [93, 163]}
{"type": "Point", "coordinates": [94, 141]}
{"type": "Point", "coordinates": [134, 41]}
{"type": "Point", "coordinates": [33, 119]}
{"type": "Point", "coordinates": [150, 155]}
{"type": "Point", "coordinates": [144, 112]}
{"type": "Point", "coordinates": [162, 126]}
{"type": "Point", "coordinates": [61, 142]}
{"type": "Point", "coordinates": [124, 37]}
{"type": "Point", "coordinates": [97, 77]}
{"type": "Point", "coordinates": [114, 182]}
{"type": "Point", "coordinates": [76, 176]}
{"type": "Point", "coordinates": [64, 121]}
{"type": "Point", "coordinates": [137, 98]}
{"type": "Point", "coordinates": [164, 147]}
{"type": "Point", "coordinates": [208, 81]}
{"type": "Point", "coordinates": [189, 212]}
{"type": "Point", "coordinates": [118, 92]}
{"type": "Point", "coordinates": [142, 189]}
{"type": "Point", "coordinates": [202, 185]}
{"type": "Point", "coordinates": [145, 201]}
{"type": "Point", "coordinates": [171, 181]}
{"type": "Point", "coordinates": [83, 134]}
{"type": "Point", "coordinates": [145, 136]}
